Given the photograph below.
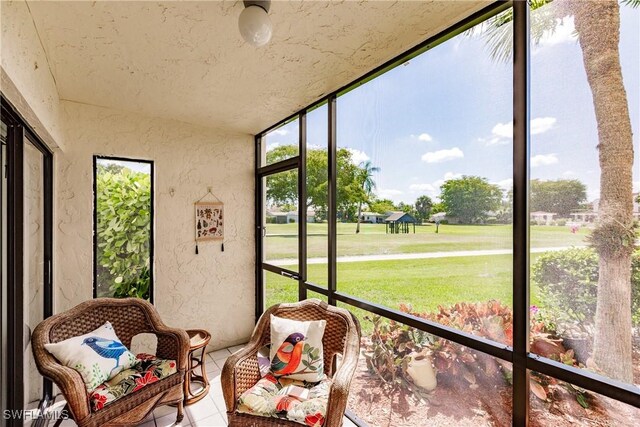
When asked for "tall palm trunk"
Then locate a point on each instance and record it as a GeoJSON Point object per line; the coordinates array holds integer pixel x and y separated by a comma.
{"type": "Point", "coordinates": [358, 220]}
{"type": "Point", "coordinates": [598, 26]}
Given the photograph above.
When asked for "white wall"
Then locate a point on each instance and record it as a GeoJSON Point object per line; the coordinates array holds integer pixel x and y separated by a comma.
{"type": "Point", "coordinates": [213, 290]}
{"type": "Point", "coordinates": [26, 78]}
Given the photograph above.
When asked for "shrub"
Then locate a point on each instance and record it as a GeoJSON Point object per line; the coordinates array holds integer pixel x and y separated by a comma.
{"type": "Point", "coordinates": [568, 283]}
{"type": "Point", "coordinates": [123, 227]}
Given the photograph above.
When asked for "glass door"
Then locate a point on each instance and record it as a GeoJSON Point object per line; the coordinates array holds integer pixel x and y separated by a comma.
{"type": "Point", "coordinates": [34, 264]}
{"type": "Point", "coordinates": [282, 217]}
{"type": "Point", "coordinates": [26, 234]}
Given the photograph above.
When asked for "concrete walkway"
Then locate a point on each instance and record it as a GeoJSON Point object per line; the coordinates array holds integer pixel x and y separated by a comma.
{"type": "Point", "coordinates": [421, 255]}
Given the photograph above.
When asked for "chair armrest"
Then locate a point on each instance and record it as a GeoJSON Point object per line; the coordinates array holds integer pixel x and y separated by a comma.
{"type": "Point", "coordinates": [239, 373]}
{"type": "Point", "coordinates": [339, 393]}
{"type": "Point", "coordinates": [173, 343]}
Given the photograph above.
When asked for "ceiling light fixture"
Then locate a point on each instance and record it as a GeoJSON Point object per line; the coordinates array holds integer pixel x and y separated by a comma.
{"type": "Point", "coordinates": [254, 23]}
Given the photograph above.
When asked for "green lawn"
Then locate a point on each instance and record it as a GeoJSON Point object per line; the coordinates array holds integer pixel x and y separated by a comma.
{"type": "Point", "coordinates": [282, 239]}
{"type": "Point", "coordinates": [424, 283]}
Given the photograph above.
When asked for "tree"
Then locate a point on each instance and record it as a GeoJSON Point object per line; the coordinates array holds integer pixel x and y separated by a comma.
{"type": "Point", "coordinates": [423, 207]}
{"type": "Point", "coordinates": [470, 198]}
{"type": "Point", "coordinates": [365, 175]}
{"type": "Point", "coordinates": [562, 196]}
{"type": "Point", "coordinates": [381, 206]}
{"type": "Point", "coordinates": [597, 26]}
{"type": "Point", "coordinates": [349, 185]}
{"type": "Point", "coordinates": [282, 188]}
{"type": "Point", "coordinates": [438, 208]}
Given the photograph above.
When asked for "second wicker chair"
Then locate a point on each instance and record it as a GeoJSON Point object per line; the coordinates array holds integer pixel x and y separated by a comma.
{"type": "Point", "coordinates": [341, 337]}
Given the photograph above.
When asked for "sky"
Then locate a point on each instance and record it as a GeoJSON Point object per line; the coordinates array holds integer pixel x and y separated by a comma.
{"type": "Point", "coordinates": [144, 167]}
{"type": "Point", "coordinates": [448, 113]}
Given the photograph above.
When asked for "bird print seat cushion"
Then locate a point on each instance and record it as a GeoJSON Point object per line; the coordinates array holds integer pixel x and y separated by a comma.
{"type": "Point", "coordinates": [98, 356]}
{"type": "Point", "coordinates": [285, 398]}
{"type": "Point", "coordinates": [147, 370]}
{"type": "Point", "coordinates": [296, 349]}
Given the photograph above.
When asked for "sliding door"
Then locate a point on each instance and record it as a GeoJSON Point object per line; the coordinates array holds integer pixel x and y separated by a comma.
{"type": "Point", "coordinates": [26, 264]}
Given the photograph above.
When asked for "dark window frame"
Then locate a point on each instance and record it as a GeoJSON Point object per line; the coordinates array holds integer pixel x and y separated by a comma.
{"type": "Point", "coordinates": [18, 132]}
{"type": "Point", "coordinates": [522, 360]}
{"type": "Point", "coordinates": [152, 222]}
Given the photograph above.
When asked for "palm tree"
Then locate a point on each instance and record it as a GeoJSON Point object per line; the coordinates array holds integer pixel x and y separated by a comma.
{"type": "Point", "coordinates": [365, 176]}
{"type": "Point", "coordinates": [597, 25]}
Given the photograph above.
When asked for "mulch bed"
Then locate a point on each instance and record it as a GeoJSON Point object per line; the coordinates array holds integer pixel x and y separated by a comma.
{"type": "Point", "coordinates": [455, 403]}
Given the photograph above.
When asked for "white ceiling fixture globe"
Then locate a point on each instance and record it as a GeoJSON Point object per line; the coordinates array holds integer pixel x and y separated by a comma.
{"type": "Point", "coordinates": [255, 26]}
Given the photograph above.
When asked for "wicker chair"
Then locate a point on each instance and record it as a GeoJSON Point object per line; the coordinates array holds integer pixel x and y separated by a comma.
{"type": "Point", "coordinates": [129, 317]}
{"type": "Point", "coordinates": [341, 336]}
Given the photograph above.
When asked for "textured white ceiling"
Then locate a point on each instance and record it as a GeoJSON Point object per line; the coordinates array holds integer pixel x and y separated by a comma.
{"type": "Point", "coordinates": [187, 61]}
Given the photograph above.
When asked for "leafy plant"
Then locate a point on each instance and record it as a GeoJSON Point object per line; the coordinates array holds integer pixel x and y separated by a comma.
{"type": "Point", "coordinates": [388, 350]}
{"type": "Point", "coordinates": [568, 283]}
{"type": "Point", "coordinates": [123, 229]}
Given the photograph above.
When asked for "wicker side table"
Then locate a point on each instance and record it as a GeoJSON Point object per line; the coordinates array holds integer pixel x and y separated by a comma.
{"type": "Point", "coordinates": [196, 383]}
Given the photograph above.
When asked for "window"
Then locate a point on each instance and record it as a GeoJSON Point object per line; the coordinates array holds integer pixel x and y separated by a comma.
{"type": "Point", "coordinates": [585, 179]}
{"type": "Point", "coordinates": [123, 228]}
{"type": "Point", "coordinates": [479, 217]}
{"type": "Point", "coordinates": [424, 215]}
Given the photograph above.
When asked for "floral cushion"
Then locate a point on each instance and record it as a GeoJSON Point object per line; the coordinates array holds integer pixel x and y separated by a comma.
{"type": "Point", "coordinates": [148, 369]}
{"type": "Point", "coordinates": [285, 398]}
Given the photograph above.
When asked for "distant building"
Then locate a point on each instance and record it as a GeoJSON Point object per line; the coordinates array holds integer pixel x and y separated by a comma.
{"type": "Point", "coordinates": [584, 217]}
{"type": "Point", "coordinates": [292, 217]}
{"type": "Point", "coordinates": [372, 217]}
{"type": "Point", "coordinates": [274, 217]}
{"type": "Point", "coordinates": [398, 222]}
{"type": "Point", "coordinates": [590, 216]}
{"type": "Point", "coordinates": [438, 217]}
{"type": "Point", "coordinates": [542, 218]}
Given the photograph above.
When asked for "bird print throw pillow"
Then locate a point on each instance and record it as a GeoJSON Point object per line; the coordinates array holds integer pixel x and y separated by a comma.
{"type": "Point", "coordinates": [296, 349]}
{"type": "Point", "coordinates": [98, 356]}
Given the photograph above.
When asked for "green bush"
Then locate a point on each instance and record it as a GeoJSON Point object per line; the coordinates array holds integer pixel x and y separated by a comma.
{"type": "Point", "coordinates": [123, 230]}
{"type": "Point", "coordinates": [568, 283]}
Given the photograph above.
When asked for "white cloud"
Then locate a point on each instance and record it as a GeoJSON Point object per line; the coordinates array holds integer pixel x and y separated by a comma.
{"type": "Point", "coordinates": [273, 146]}
{"type": "Point", "coordinates": [425, 137]}
{"type": "Point", "coordinates": [447, 176]}
{"type": "Point", "coordinates": [503, 130]}
{"type": "Point", "coordinates": [568, 173]}
{"type": "Point", "coordinates": [636, 186]}
{"type": "Point", "coordinates": [451, 175]}
{"type": "Point", "coordinates": [422, 187]}
{"type": "Point", "coordinates": [281, 131]}
{"type": "Point", "coordinates": [358, 156]}
{"type": "Point", "coordinates": [442, 155]}
{"type": "Point", "coordinates": [542, 124]}
{"type": "Point", "coordinates": [502, 133]}
{"type": "Point", "coordinates": [505, 184]}
{"type": "Point", "coordinates": [544, 160]}
{"type": "Point", "coordinates": [389, 193]}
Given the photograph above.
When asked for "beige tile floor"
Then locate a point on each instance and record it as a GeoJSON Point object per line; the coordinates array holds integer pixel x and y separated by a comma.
{"type": "Point", "coordinates": [208, 412]}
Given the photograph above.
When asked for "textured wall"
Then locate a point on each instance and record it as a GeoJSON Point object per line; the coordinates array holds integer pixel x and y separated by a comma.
{"type": "Point", "coordinates": [134, 56]}
{"type": "Point", "coordinates": [26, 78]}
{"type": "Point", "coordinates": [213, 290]}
